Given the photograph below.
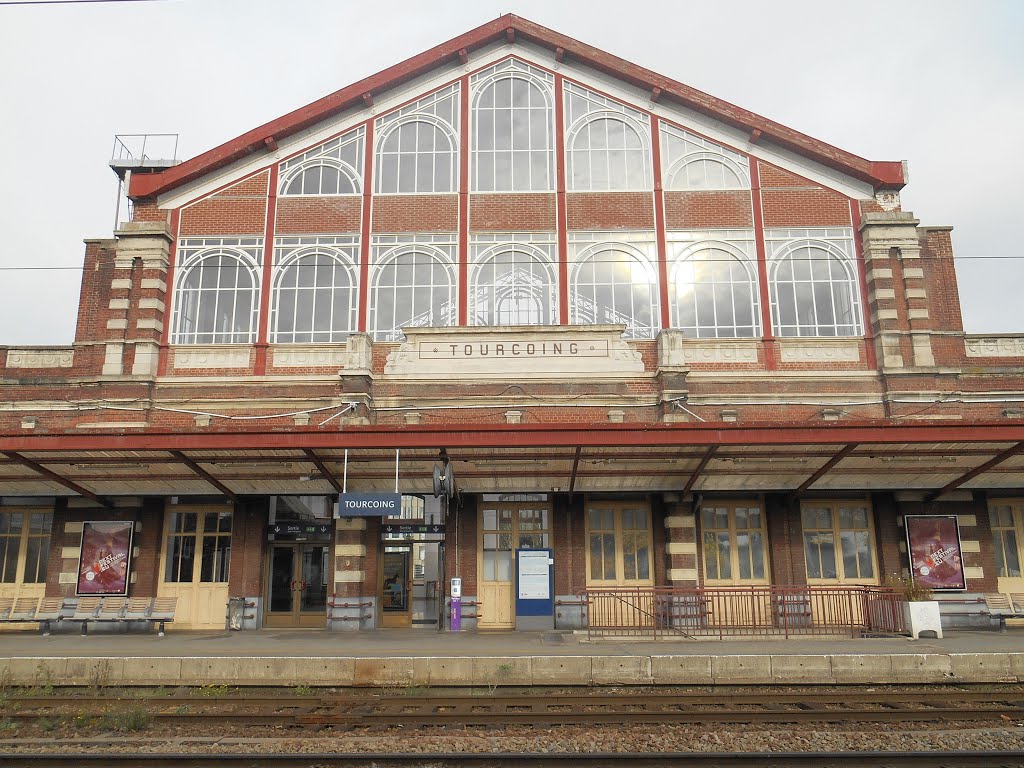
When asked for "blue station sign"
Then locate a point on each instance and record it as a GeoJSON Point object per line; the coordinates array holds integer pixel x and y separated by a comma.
{"type": "Point", "coordinates": [369, 505]}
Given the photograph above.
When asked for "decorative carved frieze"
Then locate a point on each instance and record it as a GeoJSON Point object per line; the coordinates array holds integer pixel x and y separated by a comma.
{"type": "Point", "coordinates": [40, 357]}
{"type": "Point", "coordinates": [818, 351]}
{"type": "Point", "coordinates": [996, 346]}
{"type": "Point", "coordinates": [312, 356]}
{"type": "Point", "coordinates": [522, 352]}
{"type": "Point", "coordinates": [676, 349]}
{"type": "Point", "coordinates": [211, 357]}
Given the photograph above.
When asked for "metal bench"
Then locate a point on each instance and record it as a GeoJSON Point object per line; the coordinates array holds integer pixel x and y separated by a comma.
{"type": "Point", "coordinates": [112, 609]}
{"type": "Point", "coordinates": [162, 611]}
{"type": "Point", "coordinates": [24, 609]}
{"type": "Point", "coordinates": [51, 609]}
{"type": "Point", "coordinates": [85, 611]}
{"type": "Point", "coordinates": [6, 603]}
{"type": "Point", "coordinates": [1000, 606]}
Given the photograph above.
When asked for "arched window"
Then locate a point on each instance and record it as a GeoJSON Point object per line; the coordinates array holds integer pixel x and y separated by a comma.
{"type": "Point", "coordinates": [613, 284]}
{"type": "Point", "coordinates": [321, 177]}
{"type": "Point", "coordinates": [513, 286]}
{"type": "Point", "coordinates": [814, 291]}
{"type": "Point", "coordinates": [217, 301]}
{"type": "Point", "coordinates": [714, 293]}
{"type": "Point", "coordinates": [605, 151]}
{"type": "Point", "coordinates": [314, 300]}
{"type": "Point", "coordinates": [513, 135]}
{"type": "Point", "coordinates": [704, 170]}
{"type": "Point", "coordinates": [416, 156]}
{"type": "Point", "coordinates": [412, 287]}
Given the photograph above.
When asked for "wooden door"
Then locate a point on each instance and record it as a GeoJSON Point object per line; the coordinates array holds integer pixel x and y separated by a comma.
{"type": "Point", "coordinates": [619, 549]}
{"type": "Point", "coordinates": [195, 565]}
{"type": "Point", "coordinates": [296, 586]}
{"type": "Point", "coordinates": [24, 551]}
{"type": "Point", "coordinates": [507, 522]}
{"type": "Point", "coordinates": [734, 551]}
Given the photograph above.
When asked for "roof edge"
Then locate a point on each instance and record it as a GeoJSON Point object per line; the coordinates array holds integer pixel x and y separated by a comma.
{"type": "Point", "coordinates": [880, 174]}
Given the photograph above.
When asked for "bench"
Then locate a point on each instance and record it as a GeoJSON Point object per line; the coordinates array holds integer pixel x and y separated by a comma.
{"type": "Point", "coordinates": [1002, 607]}
{"type": "Point", "coordinates": [113, 610]}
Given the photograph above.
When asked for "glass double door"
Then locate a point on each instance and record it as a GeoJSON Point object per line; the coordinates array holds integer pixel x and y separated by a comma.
{"type": "Point", "coordinates": [297, 585]}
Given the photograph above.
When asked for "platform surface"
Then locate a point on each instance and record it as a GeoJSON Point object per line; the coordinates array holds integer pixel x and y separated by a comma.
{"type": "Point", "coordinates": [418, 657]}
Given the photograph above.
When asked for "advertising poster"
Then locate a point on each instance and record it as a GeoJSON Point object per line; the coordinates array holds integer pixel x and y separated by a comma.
{"type": "Point", "coordinates": [933, 542]}
{"type": "Point", "coordinates": [104, 562]}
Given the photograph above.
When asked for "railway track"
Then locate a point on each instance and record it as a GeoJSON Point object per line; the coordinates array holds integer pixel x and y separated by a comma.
{"type": "Point", "coordinates": [460, 710]}
{"type": "Point", "coordinates": [594, 760]}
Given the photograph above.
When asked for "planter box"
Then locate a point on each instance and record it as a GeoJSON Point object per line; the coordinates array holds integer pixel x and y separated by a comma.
{"type": "Point", "coordinates": [923, 617]}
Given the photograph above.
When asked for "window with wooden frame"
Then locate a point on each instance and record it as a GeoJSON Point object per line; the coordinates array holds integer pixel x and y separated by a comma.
{"type": "Point", "coordinates": [734, 542]}
{"type": "Point", "coordinates": [619, 544]}
{"type": "Point", "coordinates": [24, 545]}
{"type": "Point", "coordinates": [839, 542]}
{"type": "Point", "coordinates": [202, 538]}
{"type": "Point", "coordinates": [1006, 518]}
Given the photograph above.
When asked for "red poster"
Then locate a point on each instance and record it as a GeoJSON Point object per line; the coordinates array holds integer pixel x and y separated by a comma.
{"type": "Point", "coordinates": [933, 542]}
{"type": "Point", "coordinates": [105, 561]}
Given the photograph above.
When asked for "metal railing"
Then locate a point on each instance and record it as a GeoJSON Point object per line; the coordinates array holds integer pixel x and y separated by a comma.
{"type": "Point", "coordinates": [144, 150]}
{"type": "Point", "coordinates": [755, 611]}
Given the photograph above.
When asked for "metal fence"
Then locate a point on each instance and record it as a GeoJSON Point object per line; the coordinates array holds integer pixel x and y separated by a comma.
{"type": "Point", "coordinates": [755, 611]}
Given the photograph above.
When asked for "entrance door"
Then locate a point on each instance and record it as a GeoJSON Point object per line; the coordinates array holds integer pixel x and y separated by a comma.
{"type": "Point", "coordinates": [395, 593]}
{"type": "Point", "coordinates": [619, 558]}
{"type": "Point", "coordinates": [297, 586]}
{"type": "Point", "coordinates": [195, 563]}
{"type": "Point", "coordinates": [514, 521]}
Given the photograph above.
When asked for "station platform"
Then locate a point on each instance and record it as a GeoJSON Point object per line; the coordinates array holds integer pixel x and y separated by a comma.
{"type": "Point", "coordinates": [403, 658]}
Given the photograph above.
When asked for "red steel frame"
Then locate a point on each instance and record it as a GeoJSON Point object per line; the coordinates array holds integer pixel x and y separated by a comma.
{"type": "Point", "coordinates": [463, 249]}
{"type": "Point", "coordinates": [659, 219]}
{"type": "Point", "coordinates": [260, 367]}
{"type": "Point", "coordinates": [561, 217]}
{"type": "Point", "coordinates": [771, 360]}
{"type": "Point", "coordinates": [525, 436]}
{"type": "Point", "coordinates": [364, 229]}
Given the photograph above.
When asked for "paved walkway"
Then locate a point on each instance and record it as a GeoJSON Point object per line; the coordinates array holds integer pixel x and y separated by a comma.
{"type": "Point", "coordinates": [415, 658]}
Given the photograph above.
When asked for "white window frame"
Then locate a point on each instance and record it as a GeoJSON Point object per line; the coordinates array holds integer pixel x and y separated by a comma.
{"type": "Point", "coordinates": [589, 157]}
{"type": "Point", "coordinates": [516, 283]}
{"type": "Point", "coordinates": [836, 531]}
{"type": "Point", "coordinates": [836, 251]}
{"type": "Point", "coordinates": [246, 262]}
{"type": "Point", "coordinates": [540, 147]}
{"type": "Point", "coordinates": [18, 564]}
{"type": "Point", "coordinates": [584, 307]}
{"type": "Point", "coordinates": [327, 260]}
{"type": "Point", "coordinates": [680, 149]}
{"type": "Point", "coordinates": [725, 323]}
{"type": "Point", "coordinates": [1000, 542]}
{"type": "Point", "coordinates": [344, 153]}
{"type": "Point", "coordinates": [447, 310]}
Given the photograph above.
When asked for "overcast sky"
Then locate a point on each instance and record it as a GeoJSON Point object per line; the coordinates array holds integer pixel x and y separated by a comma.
{"type": "Point", "coordinates": [940, 84]}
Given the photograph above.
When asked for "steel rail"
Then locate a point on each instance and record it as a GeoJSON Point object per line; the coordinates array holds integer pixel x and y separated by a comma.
{"type": "Point", "coordinates": [937, 759]}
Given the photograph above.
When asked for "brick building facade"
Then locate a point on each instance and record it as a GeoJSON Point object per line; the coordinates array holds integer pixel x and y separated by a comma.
{"type": "Point", "coordinates": [671, 340]}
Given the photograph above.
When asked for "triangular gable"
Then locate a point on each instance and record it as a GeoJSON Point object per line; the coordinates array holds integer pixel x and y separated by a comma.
{"type": "Point", "coordinates": [879, 174]}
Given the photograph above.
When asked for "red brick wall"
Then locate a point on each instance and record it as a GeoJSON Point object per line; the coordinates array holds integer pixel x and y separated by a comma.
{"type": "Point", "coordinates": [708, 210]}
{"type": "Point", "coordinates": [148, 210]}
{"type": "Point", "coordinates": [512, 213]}
{"type": "Point", "coordinates": [610, 210]}
{"type": "Point", "coordinates": [310, 215]}
{"type": "Point", "coordinates": [415, 213]}
{"type": "Point", "coordinates": [789, 200]}
{"type": "Point", "coordinates": [240, 209]}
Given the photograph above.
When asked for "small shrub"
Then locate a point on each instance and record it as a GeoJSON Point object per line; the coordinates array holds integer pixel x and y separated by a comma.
{"type": "Point", "coordinates": [909, 590]}
{"type": "Point", "coordinates": [132, 718]}
{"type": "Point", "coordinates": [46, 724]}
{"type": "Point", "coordinates": [302, 689]}
{"type": "Point", "coordinates": [8, 726]}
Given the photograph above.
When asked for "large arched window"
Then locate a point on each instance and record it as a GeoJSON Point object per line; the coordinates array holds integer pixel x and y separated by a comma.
{"type": "Point", "coordinates": [332, 168]}
{"type": "Point", "coordinates": [513, 285]}
{"type": "Point", "coordinates": [613, 283]}
{"type": "Point", "coordinates": [417, 155]}
{"type": "Point", "coordinates": [814, 291]}
{"type": "Point", "coordinates": [314, 299]}
{"type": "Point", "coordinates": [321, 177]}
{"type": "Point", "coordinates": [704, 171]}
{"type": "Point", "coordinates": [412, 287]}
{"type": "Point", "coordinates": [513, 135]}
{"type": "Point", "coordinates": [714, 293]}
{"type": "Point", "coordinates": [605, 151]}
{"type": "Point", "coordinates": [217, 300]}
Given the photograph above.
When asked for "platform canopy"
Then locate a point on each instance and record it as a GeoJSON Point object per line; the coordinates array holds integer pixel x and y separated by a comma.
{"type": "Point", "coordinates": [935, 458]}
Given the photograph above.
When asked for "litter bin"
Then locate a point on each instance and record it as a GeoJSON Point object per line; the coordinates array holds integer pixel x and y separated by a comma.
{"type": "Point", "coordinates": [236, 612]}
